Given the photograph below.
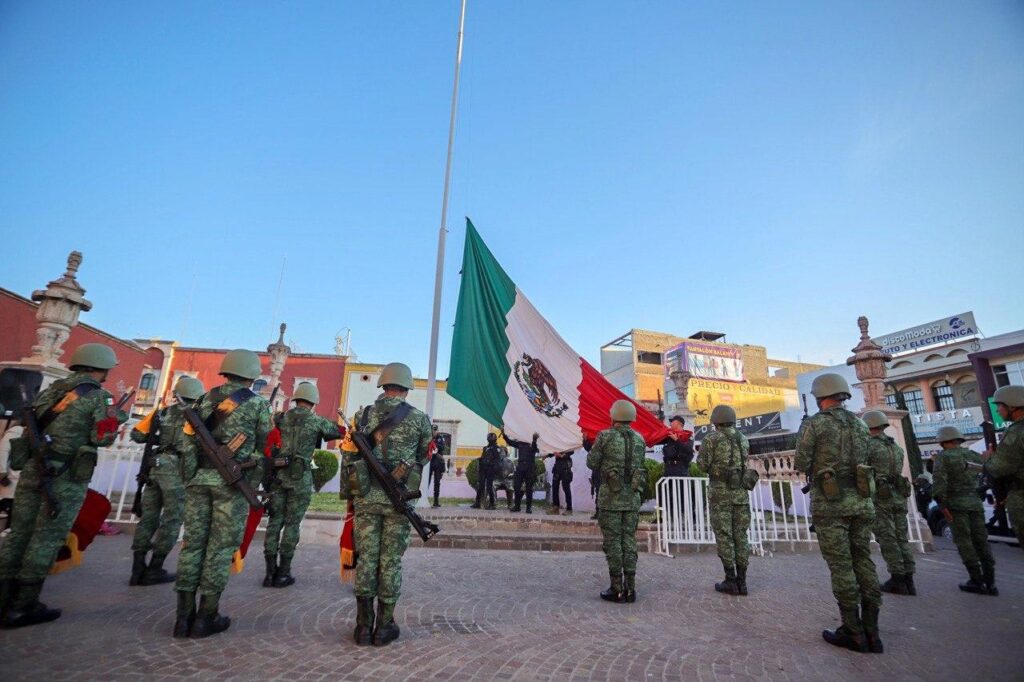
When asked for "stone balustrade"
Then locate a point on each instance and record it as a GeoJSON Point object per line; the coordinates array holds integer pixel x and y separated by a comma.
{"type": "Point", "coordinates": [775, 466]}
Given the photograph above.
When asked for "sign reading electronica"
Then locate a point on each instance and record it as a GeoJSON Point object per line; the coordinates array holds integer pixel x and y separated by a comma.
{"type": "Point", "coordinates": [706, 360]}
{"type": "Point", "coordinates": [947, 329]}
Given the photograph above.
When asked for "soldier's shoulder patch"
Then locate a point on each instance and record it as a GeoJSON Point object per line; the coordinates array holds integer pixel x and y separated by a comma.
{"type": "Point", "coordinates": [109, 400]}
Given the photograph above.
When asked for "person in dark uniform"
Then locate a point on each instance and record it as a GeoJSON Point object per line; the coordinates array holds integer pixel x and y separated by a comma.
{"type": "Point", "coordinates": [561, 475]}
{"type": "Point", "coordinates": [437, 465]}
{"type": "Point", "coordinates": [677, 448]}
{"type": "Point", "coordinates": [525, 472]}
{"type": "Point", "coordinates": [490, 462]}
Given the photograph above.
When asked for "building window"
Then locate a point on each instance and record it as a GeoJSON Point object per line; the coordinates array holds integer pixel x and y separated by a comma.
{"type": "Point", "coordinates": [914, 400]}
{"type": "Point", "coordinates": [148, 381]}
{"type": "Point", "coordinates": [259, 385]}
{"type": "Point", "coordinates": [1009, 373]}
{"type": "Point", "coordinates": [890, 401]}
{"type": "Point", "coordinates": [943, 394]}
{"type": "Point", "coordinates": [648, 358]}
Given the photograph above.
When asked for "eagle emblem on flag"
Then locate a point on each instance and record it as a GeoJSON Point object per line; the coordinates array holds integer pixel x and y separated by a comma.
{"type": "Point", "coordinates": [540, 387]}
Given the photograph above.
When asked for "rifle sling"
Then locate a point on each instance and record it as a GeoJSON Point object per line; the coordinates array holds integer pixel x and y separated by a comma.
{"type": "Point", "coordinates": [57, 409]}
{"type": "Point", "coordinates": [226, 406]}
{"type": "Point", "coordinates": [380, 434]}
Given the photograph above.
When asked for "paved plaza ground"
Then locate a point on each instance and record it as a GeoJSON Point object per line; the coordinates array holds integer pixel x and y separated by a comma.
{"type": "Point", "coordinates": [510, 615]}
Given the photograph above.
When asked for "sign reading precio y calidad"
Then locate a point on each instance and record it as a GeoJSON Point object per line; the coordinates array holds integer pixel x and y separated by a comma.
{"type": "Point", "coordinates": [947, 329]}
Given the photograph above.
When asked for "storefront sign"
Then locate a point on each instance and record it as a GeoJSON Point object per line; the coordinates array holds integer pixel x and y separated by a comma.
{"type": "Point", "coordinates": [947, 329]}
{"type": "Point", "coordinates": [748, 426]}
{"type": "Point", "coordinates": [748, 401]}
{"type": "Point", "coordinates": [706, 360]}
{"type": "Point", "coordinates": [927, 425]}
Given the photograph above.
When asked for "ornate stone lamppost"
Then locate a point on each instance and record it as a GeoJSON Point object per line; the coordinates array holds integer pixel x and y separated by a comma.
{"type": "Point", "coordinates": [278, 352]}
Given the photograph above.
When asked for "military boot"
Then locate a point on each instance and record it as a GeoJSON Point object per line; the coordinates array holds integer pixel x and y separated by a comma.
{"type": "Point", "coordinates": [728, 586]}
{"type": "Point", "coordinates": [975, 582]}
{"type": "Point", "coordinates": [844, 636]}
{"type": "Point", "coordinates": [741, 579]}
{"type": "Point", "coordinates": [268, 579]}
{"type": "Point", "coordinates": [387, 629]}
{"type": "Point", "coordinates": [869, 616]}
{"type": "Point", "coordinates": [185, 616]}
{"type": "Point", "coordinates": [895, 585]}
{"type": "Point", "coordinates": [155, 573]}
{"type": "Point", "coordinates": [208, 620]}
{"type": "Point", "coordinates": [25, 608]}
{"type": "Point", "coordinates": [363, 634]}
{"type": "Point", "coordinates": [138, 568]}
{"type": "Point", "coordinates": [283, 577]}
{"type": "Point", "coordinates": [908, 580]}
{"type": "Point", "coordinates": [614, 592]}
{"type": "Point", "coordinates": [989, 576]}
{"type": "Point", "coordinates": [629, 587]}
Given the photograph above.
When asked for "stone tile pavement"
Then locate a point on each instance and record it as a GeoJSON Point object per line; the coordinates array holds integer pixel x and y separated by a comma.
{"type": "Point", "coordinates": [519, 615]}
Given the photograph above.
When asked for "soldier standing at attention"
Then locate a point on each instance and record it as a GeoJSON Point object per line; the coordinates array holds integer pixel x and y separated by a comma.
{"type": "Point", "coordinates": [832, 446]}
{"type": "Point", "coordinates": [76, 414]}
{"type": "Point", "coordinates": [381, 533]}
{"type": "Point", "coordinates": [618, 454]}
{"type": "Point", "coordinates": [723, 454]}
{"type": "Point", "coordinates": [955, 491]}
{"type": "Point", "coordinates": [163, 498]}
{"type": "Point", "coordinates": [437, 464]}
{"type": "Point", "coordinates": [302, 431]}
{"type": "Point", "coordinates": [490, 462]}
{"type": "Point", "coordinates": [526, 472]}
{"type": "Point", "coordinates": [891, 493]}
{"type": "Point", "coordinates": [1007, 461]}
{"type": "Point", "coordinates": [215, 513]}
{"type": "Point", "coordinates": [561, 477]}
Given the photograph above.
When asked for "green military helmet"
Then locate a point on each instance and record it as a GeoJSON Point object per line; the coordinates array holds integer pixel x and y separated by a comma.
{"type": "Point", "coordinates": [93, 356]}
{"type": "Point", "coordinates": [623, 411]}
{"type": "Point", "coordinates": [308, 392]}
{"type": "Point", "coordinates": [723, 414]}
{"type": "Point", "coordinates": [875, 419]}
{"type": "Point", "coordinates": [188, 388]}
{"type": "Point", "coordinates": [830, 384]}
{"type": "Point", "coordinates": [241, 363]}
{"type": "Point", "coordinates": [396, 374]}
{"type": "Point", "coordinates": [1011, 396]}
{"type": "Point", "coordinates": [948, 433]}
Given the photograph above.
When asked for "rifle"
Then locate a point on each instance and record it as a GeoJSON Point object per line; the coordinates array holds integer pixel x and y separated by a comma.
{"type": "Point", "coordinates": [393, 486]}
{"type": "Point", "coordinates": [39, 444]}
{"type": "Point", "coordinates": [222, 456]}
{"type": "Point", "coordinates": [152, 439]}
{"type": "Point", "coordinates": [985, 479]}
{"type": "Point", "coordinates": [809, 479]}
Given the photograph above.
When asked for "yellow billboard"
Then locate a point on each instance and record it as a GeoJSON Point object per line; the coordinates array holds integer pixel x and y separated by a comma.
{"type": "Point", "coordinates": [748, 400]}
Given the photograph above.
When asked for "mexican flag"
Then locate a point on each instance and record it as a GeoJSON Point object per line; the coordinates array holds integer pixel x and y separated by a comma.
{"type": "Point", "coordinates": [511, 367]}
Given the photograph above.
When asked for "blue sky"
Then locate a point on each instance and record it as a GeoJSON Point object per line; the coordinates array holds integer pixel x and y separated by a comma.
{"type": "Point", "coordinates": [771, 170]}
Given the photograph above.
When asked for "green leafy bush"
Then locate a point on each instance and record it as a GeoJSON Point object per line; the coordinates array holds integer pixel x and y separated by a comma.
{"type": "Point", "coordinates": [655, 470]}
{"type": "Point", "coordinates": [473, 473]}
{"type": "Point", "coordinates": [782, 495]}
{"type": "Point", "coordinates": [326, 468]}
{"type": "Point", "coordinates": [695, 471]}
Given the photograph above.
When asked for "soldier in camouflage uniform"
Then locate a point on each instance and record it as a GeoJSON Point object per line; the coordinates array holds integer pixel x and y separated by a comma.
{"type": "Point", "coordinates": [302, 431]}
{"type": "Point", "coordinates": [955, 489]}
{"type": "Point", "coordinates": [77, 414]}
{"type": "Point", "coordinates": [1007, 461]}
{"type": "Point", "coordinates": [618, 454]}
{"type": "Point", "coordinates": [891, 493]}
{"type": "Point", "coordinates": [723, 454]}
{"type": "Point", "coordinates": [832, 446]}
{"type": "Point", "coordinates": [163, 498]}
{"type": "Point", "coordinates": [381, 533]}
{"type": "Point", "coordinates": [215, 513]}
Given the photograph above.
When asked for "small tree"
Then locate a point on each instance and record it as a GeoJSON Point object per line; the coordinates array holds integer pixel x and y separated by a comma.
{"type": "Point", "coordinates": [782, 495]}
{"type": "Point", "coordinates": [326, 468]}
{"type": "Point", "coordinates": [655, 470]}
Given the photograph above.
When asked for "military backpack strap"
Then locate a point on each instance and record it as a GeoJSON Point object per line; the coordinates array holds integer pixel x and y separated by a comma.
{"type": "Point", "coordinates": [225, 407]}
{"type": "Point", "coordinates": [384, 429]}
{"type": "Point", "coordinates": [627, 441]}
{"type": "Point", "coordinates": [57, 409]}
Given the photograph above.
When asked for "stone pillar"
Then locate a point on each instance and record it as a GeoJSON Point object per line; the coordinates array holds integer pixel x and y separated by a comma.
{"type": "Point", "coordinates": [681, 379]}
{"type": "Point", "coordinates": [278, 352]}
{"type": "Point", "coordinates": [60, 304]}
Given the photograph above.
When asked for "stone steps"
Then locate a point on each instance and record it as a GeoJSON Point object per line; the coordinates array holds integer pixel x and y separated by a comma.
{"type": "Point", "coordinates": [511, 540]}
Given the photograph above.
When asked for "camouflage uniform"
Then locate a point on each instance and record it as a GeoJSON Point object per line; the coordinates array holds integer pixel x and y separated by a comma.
{"type": "Point", "coordinates": [381, 533]}
{"type": "Point", "coordinates": [163, 498]}
{"type": "Point", "coordinates": [215, 513]}
{"type": "Point", "coordinates": [1007, 464]}
{"type": "Point", "coordinates": [302, 431]}
{"type": "Point", "coordinates": [723, 454]}
{"type": "Point", "coordinates": [890, 505]}
{"type": "Point", "coordinates": [30, 549]}
{"type": "Point", "coordinates": [619, 499]}
{"type": "Point", "coordinates": [955, 488]}
{"type": "Point", "coordinates": [836, 439]}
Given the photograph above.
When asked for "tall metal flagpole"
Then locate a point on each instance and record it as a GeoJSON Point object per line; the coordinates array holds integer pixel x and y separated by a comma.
{"type": "Point", "coordinates": [439, 277]}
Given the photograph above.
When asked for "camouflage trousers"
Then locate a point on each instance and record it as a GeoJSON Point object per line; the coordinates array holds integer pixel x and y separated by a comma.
{"type": "Point", "coordinates": [619, 531]}
{"type": "Point", "coordinates": [730, 523]}
{"type": "Point", "coordinates": [971, 538]}
{"type": "Point", "coordinates": [1015, 509]}
{"type": "Point", "coordinates": [891, 534]}
{"type": "Point", "coordinates": [163, 506]}
{"type": "Point", "coordinates": [288, 507]}
{"type": "Point", "coordinates": [215, 518]}
{"type": "Point", "coordinates": [381, 539]}
{"type": "Point", "coordinates": [845, 543]}
{"type": "Point", "coordinates": [32, 545]}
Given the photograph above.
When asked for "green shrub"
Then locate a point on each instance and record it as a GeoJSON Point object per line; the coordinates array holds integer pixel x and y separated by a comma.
{"type": "Point", "coordinates": [782, 492]}
{"type": "Point", "coordinates": [473, 472]}
{"type": "Point", "coordinates": [695, 471]}
{"type": "Point", "coordinates": [655, 470]}
{"type": "Point", "coordinates": [326, 468]}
